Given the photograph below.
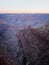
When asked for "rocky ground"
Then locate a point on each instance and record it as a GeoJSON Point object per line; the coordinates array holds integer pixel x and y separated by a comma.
{"type": "Point", "coordinates": [26, 47]}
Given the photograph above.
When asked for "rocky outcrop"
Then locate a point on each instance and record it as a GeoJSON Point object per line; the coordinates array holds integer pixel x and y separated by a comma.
{"type": "Point", "coordinates": [26, 47]}
{"type": "Point", "coordinates": [10, 51]}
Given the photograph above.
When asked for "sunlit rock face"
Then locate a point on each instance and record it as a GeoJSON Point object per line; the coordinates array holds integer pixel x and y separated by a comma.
{"type": "Point", "coordinates": [28, 46]}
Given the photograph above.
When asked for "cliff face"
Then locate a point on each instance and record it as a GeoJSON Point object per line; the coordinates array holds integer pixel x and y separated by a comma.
{"type": "Point", "coordinates": [10, 51]}
{"type": "Point", "coordinates": [35, 44]}
{"type": "Point", "coordinates": [26, 47]}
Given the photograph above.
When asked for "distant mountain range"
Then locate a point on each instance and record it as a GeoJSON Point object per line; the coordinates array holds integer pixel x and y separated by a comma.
{"type": "Point", "coordinates": [23, 20]}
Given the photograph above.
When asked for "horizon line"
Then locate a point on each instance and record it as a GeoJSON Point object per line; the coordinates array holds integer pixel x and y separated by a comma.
{"type": "Point", "coordinates": [2, 11]}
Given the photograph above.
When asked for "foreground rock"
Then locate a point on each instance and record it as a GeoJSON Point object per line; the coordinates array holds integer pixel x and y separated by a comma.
{"type": "Point", "coordinates": [26, 47]}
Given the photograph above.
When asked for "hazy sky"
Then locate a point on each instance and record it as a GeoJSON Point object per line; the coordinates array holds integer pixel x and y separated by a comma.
{"type": "Point", "coordinates": [32, 5]}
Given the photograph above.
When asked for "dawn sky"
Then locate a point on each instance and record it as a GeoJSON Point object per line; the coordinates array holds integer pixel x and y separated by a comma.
{"type": "Point", "coordinates": [32, 5]}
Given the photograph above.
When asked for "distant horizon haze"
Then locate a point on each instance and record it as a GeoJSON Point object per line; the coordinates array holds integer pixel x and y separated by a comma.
{"type": "Point", "coordinates": [24, 6]}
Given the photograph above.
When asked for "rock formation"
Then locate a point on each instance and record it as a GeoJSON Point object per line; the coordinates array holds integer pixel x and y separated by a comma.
{"type": "Point", "coordinates": [26, 47]}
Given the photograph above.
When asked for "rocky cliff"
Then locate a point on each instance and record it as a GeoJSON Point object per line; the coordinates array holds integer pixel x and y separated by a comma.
{"type": "Point", "coordinates": [26, 47]}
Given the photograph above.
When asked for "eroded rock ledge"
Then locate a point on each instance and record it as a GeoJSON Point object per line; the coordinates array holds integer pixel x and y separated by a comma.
{"type": "Point", "coordinates": [26, 47]}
